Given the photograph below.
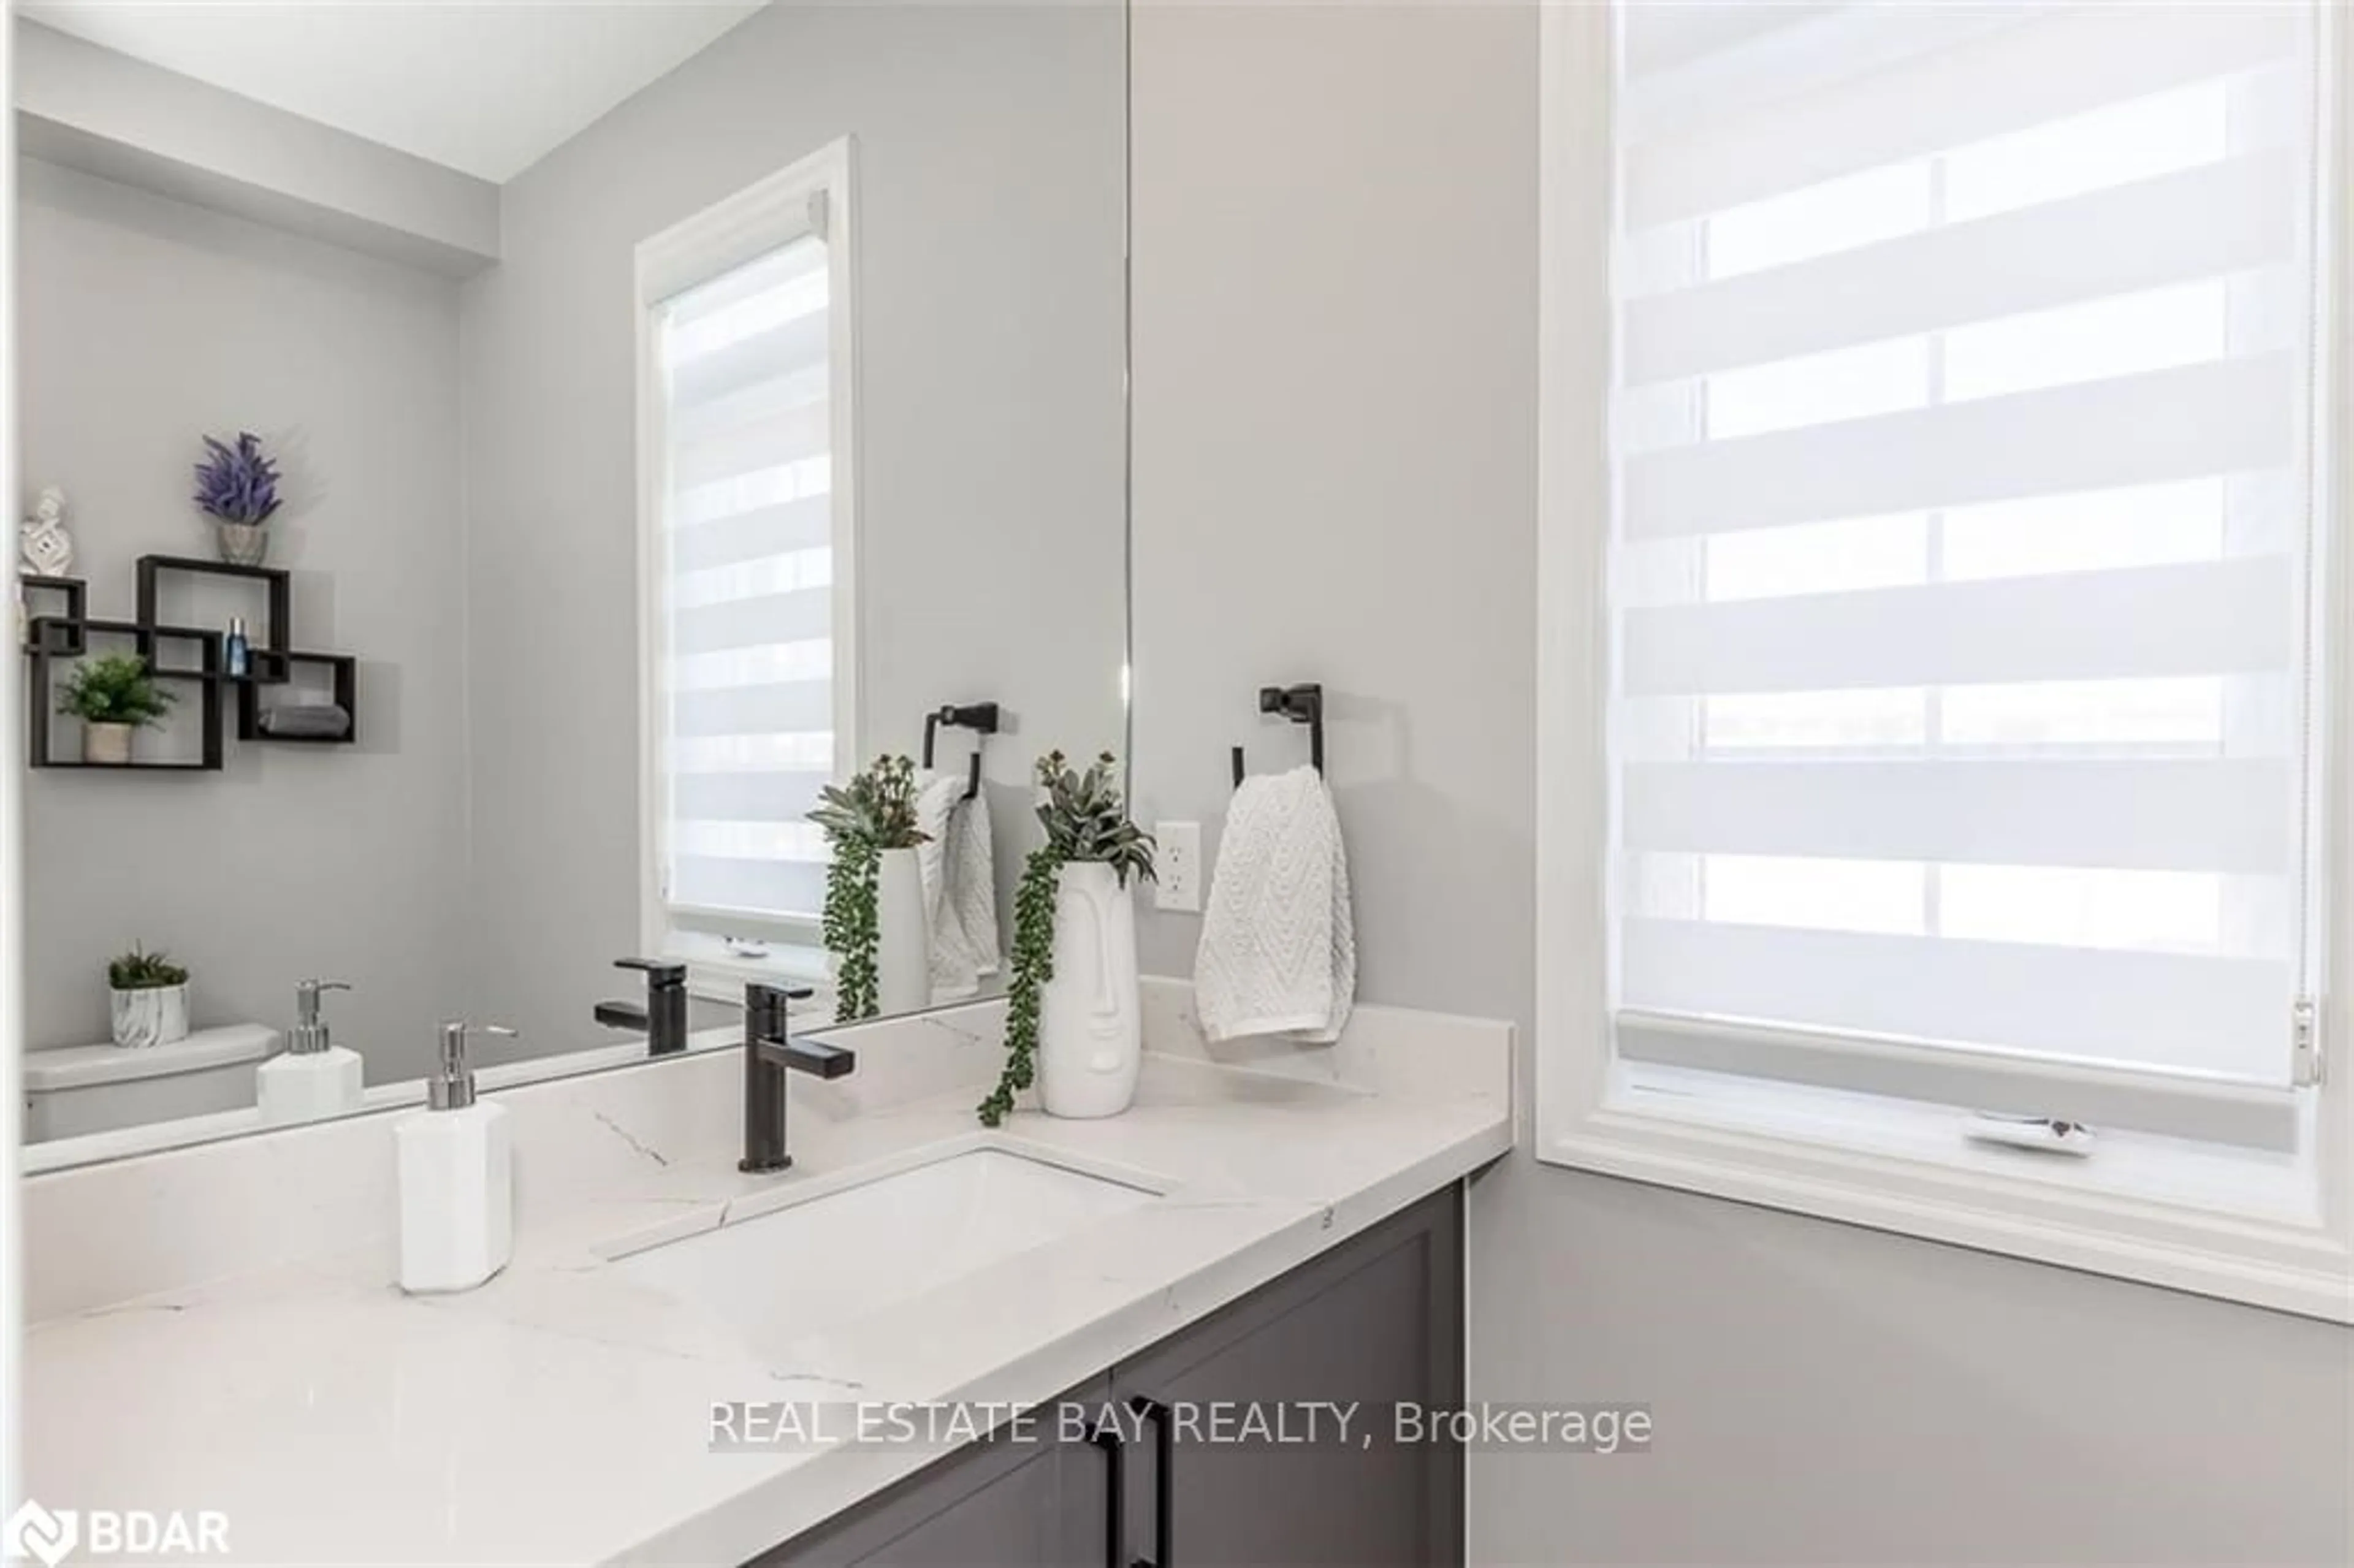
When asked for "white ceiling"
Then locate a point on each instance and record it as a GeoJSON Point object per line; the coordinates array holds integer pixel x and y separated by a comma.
{"type": "Point", "coordinates": [487, 86]}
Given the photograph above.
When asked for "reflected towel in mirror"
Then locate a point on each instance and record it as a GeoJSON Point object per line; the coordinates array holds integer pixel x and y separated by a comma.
{"type": "Point", "coordinates": [959, 885]}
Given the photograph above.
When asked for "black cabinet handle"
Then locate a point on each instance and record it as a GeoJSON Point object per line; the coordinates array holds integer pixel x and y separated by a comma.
{"type": "Point", "coordinates": [1164, 1482]}
{"type": "Point", "coordinates": [1115, 1495]}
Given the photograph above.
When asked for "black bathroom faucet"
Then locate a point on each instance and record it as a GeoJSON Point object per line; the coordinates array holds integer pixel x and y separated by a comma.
{"type": "Point", "coordinates": [663, 1017]}
{"type": "Point", "coordinates": [770, 1051]}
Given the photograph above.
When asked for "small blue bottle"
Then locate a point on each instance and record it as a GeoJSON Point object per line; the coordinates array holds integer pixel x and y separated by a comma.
{"type": "Point", "coordinates": [234, 649]}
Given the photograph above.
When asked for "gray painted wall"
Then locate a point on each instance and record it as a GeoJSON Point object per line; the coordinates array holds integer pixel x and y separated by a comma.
{"type": "Point", "coordinates": [144, 323]}
{"type": "Point", "coordinates": [1336, 219]}
{"type": "Point", "coordinates": [989, 192]}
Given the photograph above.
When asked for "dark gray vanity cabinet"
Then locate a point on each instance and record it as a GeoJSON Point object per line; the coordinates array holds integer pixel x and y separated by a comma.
{"type": "Point", "coordinates": [1375, 1322]}
{"type": "Point", "coordinates": [1039, 1504]}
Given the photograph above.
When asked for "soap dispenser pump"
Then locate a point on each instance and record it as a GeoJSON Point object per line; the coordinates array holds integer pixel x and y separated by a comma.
{"type": "Point", "coordinates": [314, 1077]}
{"type": "Point", "coordinates": [457, 1195]}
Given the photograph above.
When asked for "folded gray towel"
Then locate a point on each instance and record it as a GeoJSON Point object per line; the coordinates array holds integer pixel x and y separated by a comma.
{"type": "Point", "coordinates": [310, 721]}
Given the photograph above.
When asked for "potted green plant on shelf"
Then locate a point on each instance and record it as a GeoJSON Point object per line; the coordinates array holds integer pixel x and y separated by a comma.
{"type": "Point", "coordinates": [238, 488]}
{"type": "Point", "coordinates": [149, 996]}
{"type": "Point", "coordinates": [873, 921]}
{"type": "Point", "coordinates": [1071, 1014]}
{"type": "Point", "coordinates": [114, 695]}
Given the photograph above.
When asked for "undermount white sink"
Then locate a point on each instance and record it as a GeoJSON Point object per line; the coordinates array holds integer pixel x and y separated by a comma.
{"type": "Point", "coordinates": [828, 1259]}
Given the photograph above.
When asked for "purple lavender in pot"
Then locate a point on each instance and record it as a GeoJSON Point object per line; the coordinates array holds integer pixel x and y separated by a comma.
{"type": "Point", "coordinates": [238, 487]}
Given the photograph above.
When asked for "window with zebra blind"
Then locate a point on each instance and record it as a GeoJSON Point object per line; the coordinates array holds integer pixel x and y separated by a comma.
{"type": "Point", "coordinates": [1966, 686]}
{"type": "Point", "coordinates": [746, 538]}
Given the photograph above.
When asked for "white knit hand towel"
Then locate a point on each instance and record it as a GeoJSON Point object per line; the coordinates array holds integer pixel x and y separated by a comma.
{"type": "Point", "coordinates": [1279, 952]}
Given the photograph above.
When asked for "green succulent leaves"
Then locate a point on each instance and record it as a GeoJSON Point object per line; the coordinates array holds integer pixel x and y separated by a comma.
{"type": "Point", "coordinates": [1086, 818]}
{"type": "Point", "coordinates": [851, 928]}
{"type": "Point", "coordinates": [137, 971]}
{"type": "Point", "coordinates": [876, 807]}
{"type": "Point", "coordinates": [1032, 964]}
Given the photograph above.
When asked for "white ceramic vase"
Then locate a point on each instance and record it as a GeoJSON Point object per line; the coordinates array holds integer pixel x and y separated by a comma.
{"type": "Point", "coordinates": [903, 942]}
{"type": "Point", "coordinates": [152, 1015]}
{"type": "Point", "coordinates": [106, 743]}
{"type": "Point", "coordinates": [1090, 1037]}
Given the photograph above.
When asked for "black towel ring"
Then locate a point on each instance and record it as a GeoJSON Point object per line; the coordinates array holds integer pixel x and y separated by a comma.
{"type": "Point", "coordinates": [1300, 704]}
{"type": "Point", "coordinates": [979, 717]}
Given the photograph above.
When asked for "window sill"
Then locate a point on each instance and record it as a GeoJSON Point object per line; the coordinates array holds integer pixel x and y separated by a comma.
{"type": "Point", "coordinates": [2239, 1224]}
{"type": "Point", "coordinates": [715, 974]}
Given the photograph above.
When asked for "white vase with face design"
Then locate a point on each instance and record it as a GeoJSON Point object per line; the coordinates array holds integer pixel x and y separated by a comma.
{"type": "Point", "coordinates": [1091, 1033]}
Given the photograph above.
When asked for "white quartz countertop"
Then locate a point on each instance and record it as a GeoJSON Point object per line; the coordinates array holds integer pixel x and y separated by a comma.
{"type": "Point", "coordinates": [562, 1412]}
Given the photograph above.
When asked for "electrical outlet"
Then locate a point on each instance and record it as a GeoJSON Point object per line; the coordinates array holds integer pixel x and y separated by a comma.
{"type": "Point", "coordinates": [1177, 866]}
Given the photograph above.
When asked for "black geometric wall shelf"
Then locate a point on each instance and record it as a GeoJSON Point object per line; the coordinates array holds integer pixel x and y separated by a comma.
{"type": "Point", "coordinates": [279, 584]}
{"type": "Point", "coordinates": [185, 654]}
{"type": "Point", "coordinates": [58, 637]}
{"type": "Point", "coordinates": [250, 707]}
{"type": "Point", "coordinates": [73, 590]}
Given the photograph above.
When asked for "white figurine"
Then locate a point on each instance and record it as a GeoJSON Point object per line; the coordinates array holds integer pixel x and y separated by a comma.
{"type": "Point", "coordinates": [42, 539]}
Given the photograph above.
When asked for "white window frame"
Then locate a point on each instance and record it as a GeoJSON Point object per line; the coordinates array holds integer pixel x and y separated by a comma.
{"type": "Point", "coordinates": [2265, 1229]}
{"type": "Point", "coordinates": [754, 221]}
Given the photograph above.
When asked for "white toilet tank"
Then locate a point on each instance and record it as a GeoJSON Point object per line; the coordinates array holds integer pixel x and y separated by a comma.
{"type": "Point", "coordinates": [82, 1089]}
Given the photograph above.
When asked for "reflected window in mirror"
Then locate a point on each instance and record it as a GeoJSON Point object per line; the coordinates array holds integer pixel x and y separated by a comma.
{"type": "Point", "coordinates": [746, 535]}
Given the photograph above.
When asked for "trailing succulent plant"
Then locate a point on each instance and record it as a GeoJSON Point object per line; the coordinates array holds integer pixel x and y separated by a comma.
{"type": "Point", "coordinates": [115, 688]}
{"type": "Point", "coordinates": [238, 484]}
{"type": "Point", "coordinates": [137, 971]}
{"type": "Point", "coordinates": [873, 812]}
{"type": "Point", "coordinates": [1085, 820]}
{"type": "Point", "coordinates": [850, 926]}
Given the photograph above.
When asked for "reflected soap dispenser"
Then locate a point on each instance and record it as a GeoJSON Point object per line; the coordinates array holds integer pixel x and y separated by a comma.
{"type": "Point", "coordinates": [314, 1077]}
{"type": "Point", "coordinates": [457, 1195]}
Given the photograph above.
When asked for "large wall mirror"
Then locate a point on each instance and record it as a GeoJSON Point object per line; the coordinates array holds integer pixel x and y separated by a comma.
{"type": "Point", "coordinates": [488, 470]}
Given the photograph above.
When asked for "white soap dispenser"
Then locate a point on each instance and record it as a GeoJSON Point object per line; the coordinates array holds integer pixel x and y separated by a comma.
{"type": "Point", "coordinates": [457, 1196]}
{"type": "Point", "coordinates": [314, 1077]}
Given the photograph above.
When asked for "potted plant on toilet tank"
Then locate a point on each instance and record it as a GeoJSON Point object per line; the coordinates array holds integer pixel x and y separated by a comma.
{"type": "Point", "coordinates": [149, 994]}
{"type": "Point", "coordinates": [238, 488]}
{"type": "Point", "coordinates": [873, 921]}
{"type": "Point", "coordinates": [1071, 1019]}
{"type": "Point", "coordinates": [115, 696]}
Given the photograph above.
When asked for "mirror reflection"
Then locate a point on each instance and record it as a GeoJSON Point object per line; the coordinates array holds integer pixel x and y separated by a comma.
{"type": "Point", "coordinates": [548, 539]}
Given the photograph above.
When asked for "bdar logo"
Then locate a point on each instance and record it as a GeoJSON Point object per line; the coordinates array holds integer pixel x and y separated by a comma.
{"type": "Point", "coordinates": [34, 1531]}
{"type": "Point", "coordinates": [51, 1535]}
